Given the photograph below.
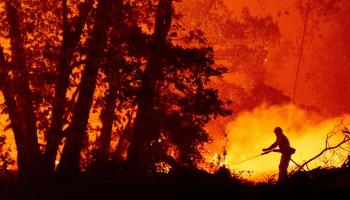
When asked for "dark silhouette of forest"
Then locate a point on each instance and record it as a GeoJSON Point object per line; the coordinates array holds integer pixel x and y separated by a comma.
{"type": "Point", "coordinates": [151, 76]}
{"type": "Point", "coordinates": [162, 82]}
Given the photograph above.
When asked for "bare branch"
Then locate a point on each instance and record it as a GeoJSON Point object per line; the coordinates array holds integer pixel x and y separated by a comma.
{"type": "Point", "coordinates": [328, 147]}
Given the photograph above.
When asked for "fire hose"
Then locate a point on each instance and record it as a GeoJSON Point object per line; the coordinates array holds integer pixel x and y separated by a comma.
{"type": "Point", "coordinates": [264, 153]}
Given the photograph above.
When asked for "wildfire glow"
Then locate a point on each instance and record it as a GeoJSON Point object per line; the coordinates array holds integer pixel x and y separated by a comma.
{"type": "Point", "coordinates": [252, 131]}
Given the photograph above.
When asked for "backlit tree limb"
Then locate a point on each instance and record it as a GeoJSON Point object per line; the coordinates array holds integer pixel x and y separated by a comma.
{"type": "Point", "coordinates": [346, 139]}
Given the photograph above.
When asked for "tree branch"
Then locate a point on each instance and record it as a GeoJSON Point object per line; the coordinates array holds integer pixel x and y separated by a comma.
{"type": "Point", "coordinates": [345, 140]}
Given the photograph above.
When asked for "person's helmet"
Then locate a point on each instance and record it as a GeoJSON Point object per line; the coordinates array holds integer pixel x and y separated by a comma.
{"type": "Point", "coordinates": [278, 130]}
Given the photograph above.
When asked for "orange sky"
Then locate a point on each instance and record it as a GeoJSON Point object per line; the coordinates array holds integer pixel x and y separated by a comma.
{"type": "Point", "coordinates": [324, 74]}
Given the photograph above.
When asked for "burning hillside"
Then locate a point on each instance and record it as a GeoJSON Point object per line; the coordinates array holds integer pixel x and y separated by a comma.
{"type": "Point", "coordinates": [252, 131]}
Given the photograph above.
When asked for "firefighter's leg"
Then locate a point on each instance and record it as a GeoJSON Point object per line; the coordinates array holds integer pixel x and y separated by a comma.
{"type": "Point", "coordinates": [283, 167]}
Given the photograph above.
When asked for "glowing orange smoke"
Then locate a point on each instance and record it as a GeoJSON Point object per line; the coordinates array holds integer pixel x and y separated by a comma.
{"type": "Point", "coordinates": [252, 131]}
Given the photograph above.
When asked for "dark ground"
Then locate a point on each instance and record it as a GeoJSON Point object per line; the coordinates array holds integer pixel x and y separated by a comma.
{"type": "Point", "coordinates": [184, 183]}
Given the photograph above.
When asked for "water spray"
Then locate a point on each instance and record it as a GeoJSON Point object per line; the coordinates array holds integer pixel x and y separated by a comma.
{"type": "Point", "coordinates": [250, 158]}
{"type": "Point", "coordinates": [264, 153]}
{"type": "Point", "coordinates": [256, 156]}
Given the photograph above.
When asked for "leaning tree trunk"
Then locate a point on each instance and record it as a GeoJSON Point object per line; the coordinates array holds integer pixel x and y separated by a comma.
{"type": "Point", "coordinates": [69, 165]}
{"type": "Point", "coordinates": [107, 118]}
{"type": "Point", "coordinates": [69, 43]}
{"type": "Point", "coordinates": [25, 135]}
{"type": "Point", "coordinates": [146, 122]}
{"type": "Point", "coordinates": [10, 102]}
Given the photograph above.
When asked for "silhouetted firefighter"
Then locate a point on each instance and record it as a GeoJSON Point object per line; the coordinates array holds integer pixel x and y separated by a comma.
{"type": "Point", "coordinates": [284, 147]}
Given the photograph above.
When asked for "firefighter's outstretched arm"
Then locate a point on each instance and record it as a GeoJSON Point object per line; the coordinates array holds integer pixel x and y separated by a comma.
{"type": "Point", "coordinates": [274, 145]}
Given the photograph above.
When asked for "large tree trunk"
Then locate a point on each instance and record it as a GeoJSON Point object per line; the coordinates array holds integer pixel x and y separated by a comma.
{"type": "Point", "coordinates": [10, 102]}
{"type": "Point", "coordinates": [69, 165]}
{"type": "Point", "coordinates": [69, 43]}
{"type": "Point", "coordinates": [146, 122]}
{"type": "Point", "coordinates": [25, 135]}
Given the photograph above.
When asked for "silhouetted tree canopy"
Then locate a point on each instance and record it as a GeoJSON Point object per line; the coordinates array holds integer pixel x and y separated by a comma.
{"type": "Point", "coordinates": [67, 60]}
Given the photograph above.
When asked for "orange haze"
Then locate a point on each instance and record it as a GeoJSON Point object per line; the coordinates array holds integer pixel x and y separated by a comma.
{"type": "Point", "coordinates": [323, 85]}
{"type": "Point", "coordinates": [253, 131]}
